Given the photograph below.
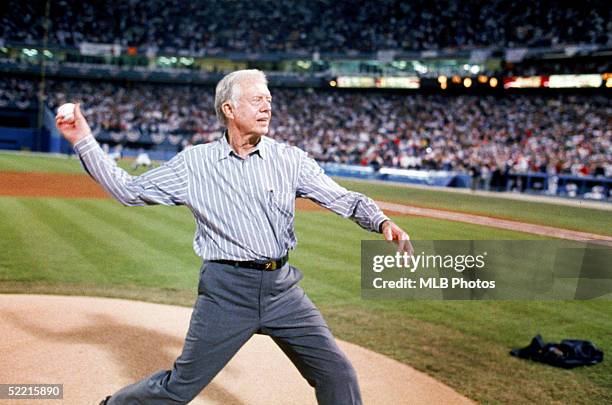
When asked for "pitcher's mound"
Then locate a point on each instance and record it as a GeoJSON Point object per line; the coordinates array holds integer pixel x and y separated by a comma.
{"type": "Point", "coordinates": [95, 346]}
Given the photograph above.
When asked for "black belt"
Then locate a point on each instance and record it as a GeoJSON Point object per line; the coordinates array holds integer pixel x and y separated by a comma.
{"type": "Point", "coordinates": [270, 265]}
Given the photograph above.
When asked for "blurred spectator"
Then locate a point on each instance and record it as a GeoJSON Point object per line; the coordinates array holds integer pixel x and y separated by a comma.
{"type": "Point", "coordinates": [308, 25]}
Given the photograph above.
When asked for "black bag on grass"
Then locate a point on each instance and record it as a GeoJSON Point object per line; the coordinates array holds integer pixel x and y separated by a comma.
{"type": "Point", "coordinates": [567, 354]}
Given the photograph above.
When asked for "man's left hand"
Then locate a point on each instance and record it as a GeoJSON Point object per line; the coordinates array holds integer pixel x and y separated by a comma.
{"type": "Point", "coordinates": [393, 232]}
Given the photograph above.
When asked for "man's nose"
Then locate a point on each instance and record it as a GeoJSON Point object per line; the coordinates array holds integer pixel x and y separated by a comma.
{"type": "Point", "coordinates": [266, 105]}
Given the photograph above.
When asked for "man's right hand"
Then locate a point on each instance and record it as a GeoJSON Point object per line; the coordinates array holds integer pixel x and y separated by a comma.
{"type": "Point", "coordinates": [75, 129]}
{"type": "Point", "coordinates": [394, 233]}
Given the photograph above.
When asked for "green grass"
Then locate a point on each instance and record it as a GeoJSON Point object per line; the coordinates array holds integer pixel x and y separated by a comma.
{"type": "Point", "coordinates": [97, 247]}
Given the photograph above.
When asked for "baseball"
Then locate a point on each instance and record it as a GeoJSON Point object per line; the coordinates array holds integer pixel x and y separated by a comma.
{"type": "Point", "coordinates": [66, 111]}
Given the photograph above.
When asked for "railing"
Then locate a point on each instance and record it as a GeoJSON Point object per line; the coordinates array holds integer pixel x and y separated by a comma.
{"type": "Point", "coordinates": [591, 187]}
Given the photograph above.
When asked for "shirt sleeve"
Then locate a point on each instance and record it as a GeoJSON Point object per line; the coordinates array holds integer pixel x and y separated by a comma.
{"type": "Point", "coordinates": [166, 185]}
{"type": "Point", "coordinates": [315, 185]}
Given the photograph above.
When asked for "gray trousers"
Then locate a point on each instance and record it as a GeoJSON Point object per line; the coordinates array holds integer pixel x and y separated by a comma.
{"type": "Point", "coordinates": [234, 303]}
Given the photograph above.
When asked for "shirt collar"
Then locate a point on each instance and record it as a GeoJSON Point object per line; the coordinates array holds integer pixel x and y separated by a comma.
{"type": "Point", "coordinates": [224, 150]}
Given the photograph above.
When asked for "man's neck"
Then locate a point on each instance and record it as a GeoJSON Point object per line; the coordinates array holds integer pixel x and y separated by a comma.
{"type": "Point", "coordinates": [242, 144]}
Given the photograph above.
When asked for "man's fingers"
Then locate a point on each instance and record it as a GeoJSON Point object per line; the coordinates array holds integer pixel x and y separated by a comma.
{"type": "Point", "coordinates": [60, 120]}
{"type": "Point", "coordinates": [405, 246]}
{"type": "Point", "coordinates": [394, 233]}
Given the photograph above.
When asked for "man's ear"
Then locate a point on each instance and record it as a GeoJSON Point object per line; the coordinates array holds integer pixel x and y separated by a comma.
{"type": "Point", "coordinates": [228, 110]}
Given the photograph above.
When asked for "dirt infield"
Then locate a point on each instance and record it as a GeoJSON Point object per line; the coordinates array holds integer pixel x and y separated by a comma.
{"type": "Point", "coordinates": [67, 185]}
{"type": "Point", "coordinates": [95, 346]}
{"type": "Point", "coordinates": [82, 186]}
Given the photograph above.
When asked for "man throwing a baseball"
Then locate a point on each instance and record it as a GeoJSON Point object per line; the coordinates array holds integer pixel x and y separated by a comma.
{"type": "Point", "coordinates": [241, 190]}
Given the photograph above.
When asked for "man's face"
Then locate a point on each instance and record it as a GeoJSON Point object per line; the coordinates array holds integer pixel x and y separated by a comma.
{"type": "Point", "coordinates": [253, 109]}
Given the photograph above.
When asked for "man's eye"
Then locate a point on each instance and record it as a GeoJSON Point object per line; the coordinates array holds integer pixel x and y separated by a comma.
{"type": "Point", "coordinates": [260, 100]}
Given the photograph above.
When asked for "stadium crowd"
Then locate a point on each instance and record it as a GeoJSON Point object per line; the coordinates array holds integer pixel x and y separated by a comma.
{"type": "Point", "coordinates": [308, 25]}
{"type": "Point", "coordinates": [520, 133]}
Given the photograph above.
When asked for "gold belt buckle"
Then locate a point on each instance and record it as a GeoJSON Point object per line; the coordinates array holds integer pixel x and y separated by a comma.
{"type": "Point", "coordinates": [270, 265]}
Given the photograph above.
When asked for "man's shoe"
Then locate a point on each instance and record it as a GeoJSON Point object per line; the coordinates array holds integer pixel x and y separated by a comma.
{"type": "Point", "coordinates": [105, 400]}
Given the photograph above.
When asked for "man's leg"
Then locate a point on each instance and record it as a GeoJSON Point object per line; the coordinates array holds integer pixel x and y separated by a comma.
{"type": "Point", "coordinates": [298, 328]}
{"type": "Point", "coordinates": [221, 323]}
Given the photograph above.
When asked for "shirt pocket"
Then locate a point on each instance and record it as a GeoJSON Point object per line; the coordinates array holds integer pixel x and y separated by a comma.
{"type": "Point", "coordinates": [282, 202]}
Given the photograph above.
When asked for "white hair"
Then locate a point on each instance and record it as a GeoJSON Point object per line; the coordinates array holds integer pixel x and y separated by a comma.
{"type": "Point", "coordinates": [228, 89]}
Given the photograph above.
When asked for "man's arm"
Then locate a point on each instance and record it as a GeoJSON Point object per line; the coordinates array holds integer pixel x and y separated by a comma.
{"type": "Point", "coordinates": [315, 185]}
{"type": "Point", "coordinates": [166, 184]}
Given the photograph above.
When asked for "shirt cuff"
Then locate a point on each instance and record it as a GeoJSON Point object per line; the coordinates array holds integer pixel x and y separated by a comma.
{"type": "Point", "coordinates": [85, 145]}
{"type": "Point", "coordinates": [378, 220]}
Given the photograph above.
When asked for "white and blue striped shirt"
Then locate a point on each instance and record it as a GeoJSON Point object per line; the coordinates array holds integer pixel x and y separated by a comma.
{"type": "Point", "coordinates": [244, 208]}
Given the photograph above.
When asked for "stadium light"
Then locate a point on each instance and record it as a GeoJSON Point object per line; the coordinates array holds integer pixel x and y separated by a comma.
{"type": "Point", "coordinates": [186, 61]}
{"type": "Point", "coordinates": [419, 67]}
{"type": "Point", "coordinates": [493, 82]}
{"type": "Point", "coordinates": [304, 64]}
{"type": "Point", "coordinates": [467, 82]}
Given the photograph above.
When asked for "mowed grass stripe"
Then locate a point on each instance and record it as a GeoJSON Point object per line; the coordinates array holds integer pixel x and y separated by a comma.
{"type": "Point", "coordinates": [329, 260]}
{"type": "Point", "coordinates": [15, 242]}
{"type": "Point", "coordinates": [46, 251]}
{"type": "Point", "coordinates": [168, 238]}
{"type": "Point", "coordinates": [109, 264]}
{"type": "Point", "coordinates": [178, 216]}
{"type": "Point", "coordinates": [140, 263]}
